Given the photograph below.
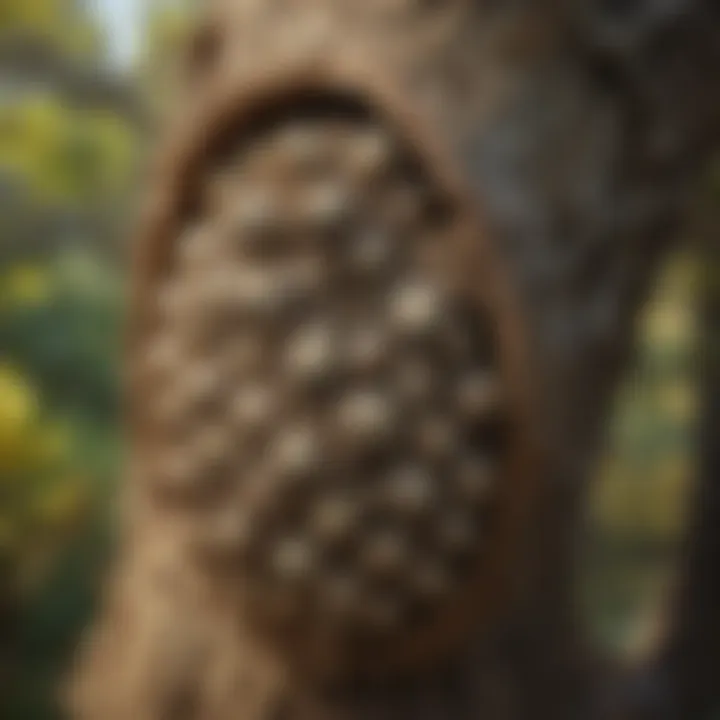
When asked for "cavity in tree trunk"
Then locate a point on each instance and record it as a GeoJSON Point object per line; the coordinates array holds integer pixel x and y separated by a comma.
{"type": "Point", "coordinates": [387, 282]}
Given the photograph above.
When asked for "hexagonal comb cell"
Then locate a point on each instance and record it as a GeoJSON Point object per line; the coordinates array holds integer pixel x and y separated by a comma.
{"type": "Point", "coordinates": [327, 368]}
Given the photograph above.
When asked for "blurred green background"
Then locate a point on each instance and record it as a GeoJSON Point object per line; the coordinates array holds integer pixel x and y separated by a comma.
{"type": "Point", "coordinates": [78, 86]}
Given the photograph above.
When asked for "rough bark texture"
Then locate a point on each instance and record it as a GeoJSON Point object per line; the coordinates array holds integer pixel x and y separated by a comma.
{"type": "Point", "coordinates": [579, 129]}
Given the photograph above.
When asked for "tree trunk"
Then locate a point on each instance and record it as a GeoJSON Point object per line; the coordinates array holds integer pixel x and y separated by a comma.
{"type": "Point", "coordinates": [578, 130]}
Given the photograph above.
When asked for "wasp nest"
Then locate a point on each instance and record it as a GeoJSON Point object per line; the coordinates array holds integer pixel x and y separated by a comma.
{"type": "Point", "coordinates": [318, 378]}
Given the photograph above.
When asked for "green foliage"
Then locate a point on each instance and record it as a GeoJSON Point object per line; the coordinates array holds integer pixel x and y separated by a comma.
{"type": "Point", "coordinates": [65, 176]}
{"type": "Point", "coordinates": [51, 621]}
{"type": "Point", "coordinates": [63, 24]}
{"type": "Point", "coordinates": [64, 154]}
{"type": "Point", "coordinates": [640, 501]}
{"type": "Point", "coordinates": [61, 323]}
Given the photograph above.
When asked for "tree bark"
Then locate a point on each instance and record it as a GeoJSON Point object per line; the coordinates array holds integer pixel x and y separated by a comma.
{"type": "Point", "coordinates": [580, 130]}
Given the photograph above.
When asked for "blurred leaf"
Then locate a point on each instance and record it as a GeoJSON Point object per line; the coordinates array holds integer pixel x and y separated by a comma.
{"type": "Point", "coordinates": [60, 22]}
{"type": "Point", "coordinates": [25, 285]}
{"type": "Point", "coordinates": [62, 505]}
{"type": "Point", "coordinates": [18, 410]}
{"type": "Point", "coordinates": [639, 504]}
